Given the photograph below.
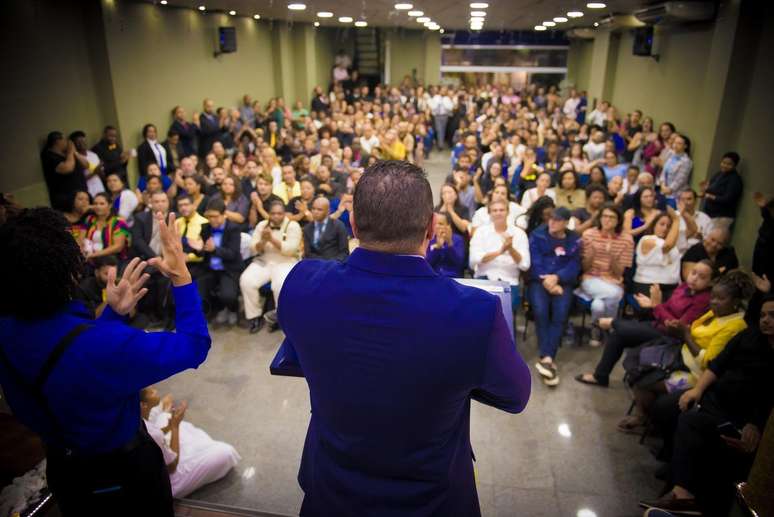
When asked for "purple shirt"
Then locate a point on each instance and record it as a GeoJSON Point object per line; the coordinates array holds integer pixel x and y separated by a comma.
{"type": "Point", "coordinates": [447, 260]}
{"type": "Point", "coordinates": [682, 305]}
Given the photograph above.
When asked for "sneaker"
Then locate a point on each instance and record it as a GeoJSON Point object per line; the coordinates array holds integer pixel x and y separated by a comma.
{"type": "Point", "coordinates": [256, 324]}
{"type": "Point", "coordinates": [548, 372]}
{"type": "Point", "coordinates": [673, 505]}
{"type": "Point", "coordinates": [232, 318]}
{"type": "Point", "coordinates": [222, 317]}
{"type": "Point", "coordinates": [596, 337]}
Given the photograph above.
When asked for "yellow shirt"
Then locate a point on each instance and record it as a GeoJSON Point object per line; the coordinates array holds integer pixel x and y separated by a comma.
{"type": "Point", "coordinates": [286, 193]}
{"type": "Point", "coordinates": [191, 228]}
{"type": "Point", "coordinates": [712, 338]}
{"type": "Point", "coordinates": [397, 151]}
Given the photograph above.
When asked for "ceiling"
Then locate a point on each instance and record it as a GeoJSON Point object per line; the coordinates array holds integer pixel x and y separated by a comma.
{"type": "Point", "coordinates": [449, 14]}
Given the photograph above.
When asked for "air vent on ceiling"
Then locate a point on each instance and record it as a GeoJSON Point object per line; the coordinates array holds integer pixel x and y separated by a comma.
{"type": "Point", "coordinates": [676, 12]}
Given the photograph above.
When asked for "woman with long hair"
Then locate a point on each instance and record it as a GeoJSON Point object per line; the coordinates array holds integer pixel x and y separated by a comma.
{"type": "Point", "coordinates": [106, 233]}
{"type": "Point", "coordinates": [450, 204]}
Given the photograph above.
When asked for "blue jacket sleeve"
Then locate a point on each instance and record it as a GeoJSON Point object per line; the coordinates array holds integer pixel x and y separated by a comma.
{"type": "Point", "coordinates": [148, 357]}
{"type": "Point", "coordinates": [570, 264]}
{"type": "Point", "coordinates": [536, 254]}
{"type": "Point", "coordinates": [506, 382]}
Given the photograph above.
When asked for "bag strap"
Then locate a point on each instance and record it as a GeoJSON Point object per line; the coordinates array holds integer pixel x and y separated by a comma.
{"type": "Point", "coordinates": [35, 389]}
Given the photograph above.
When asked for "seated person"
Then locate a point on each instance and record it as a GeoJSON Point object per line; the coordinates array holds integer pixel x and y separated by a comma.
{"type": "Point", "coordinates": [341, 208]}
{"type": "Point", "coordinates": [542, 188]}
{"type": "Point", "coordinates": [237, 205]}
{"type": "Point", "coordinates": [702, 341]}
{"type": "Point", "coordinates": [324, 184]}
{"type": "Point", "coordinates": [123, 200]}
{"type": "Point", "coordinates": [217, 281]}
{"type": "Point", "coordinates": [276, 244]}
{"type": "Point", "coordinates": [461, 179]}
{"type": "Point", "coordinates": [568, 194]}
{"type": "Point", "coordinates": [193, 228]}
{"type": "Point", "coordinates": [93, 288]}
{"type": "Point", "coordinates": [583, 218]}
{"type": "Point", "coordinates": [689, 301]}
{"type": "Point", "coordinates": [537, 215]}
{"type": "Point", "coordinates": [106, 234]}
{"type": "Point", "coordinates": [446, 251]}
{"type": "Point", "coordinates": [289, 187]}
{"type": "Point", "coordinates": [736, 389]}
{"type": "Point", "coordinates": [499, 193]}
{"type": "Point", "coordinates": [694, 225]}
{"type": "Point", "coordinates": [638, 218]}
{"type": "Point", "coordinates": [153, 171]}
{"type": "Point", "coordinates": [612, 168]}
{"type": "Point", "coordinates": [555, 255]}
{"type": "Point", "coordinates": [451, 205]}
{"type": "Point", "coordinates": [195, 187]}
{"type": "Point", "coordinates": [499, 251]}
{"type": "Point", "coordinates": [299, 208]}
{"type": "Point", "coordinates": [485, 181]}
{"type": "Point", "coordinates": [261, 200]}
{"type": "Point", "coordinates": [193, 458]}
{"type": "Point", "coordinates": [325, 238]}
{"type": "Point", "coordinates": [607, 252]}
{"type": "Point", "coordinates": [644, 180]}
{"type": "Point", "coordinates": [715, 248]}
{"type": "Point", "coordinates": [657, 256]}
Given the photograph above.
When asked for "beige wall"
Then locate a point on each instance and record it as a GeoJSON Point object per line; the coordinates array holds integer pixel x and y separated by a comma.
{"type": "Point", "coordinates": [55, 80]}
{"type": "Point", "coordinates": [579, 62]}
{"type": "Point", "coordinates": [414, 53]}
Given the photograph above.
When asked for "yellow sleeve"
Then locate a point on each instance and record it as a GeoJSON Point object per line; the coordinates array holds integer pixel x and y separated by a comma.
{"type": "Point", "coordinates": [721, 338]}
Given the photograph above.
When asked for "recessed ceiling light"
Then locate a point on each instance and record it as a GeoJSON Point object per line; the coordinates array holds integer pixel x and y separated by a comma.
{"type": "Point", "coordinates": [423, 19]}
{"type": "Point", "coordinates": [574, 14]}
{"type": "Point", "coordinates": [202, 8]}
{"type": "Point", "coordinates": [415, 13]}
{"type": "Point", "coordinates": [345, 19]}
{"type": "Point", "coordinates": [596, 24]}
{"type": "Point", "coordinates": [549, 23]}
{"type": "Point", "coordinates": [361, 23]}
{"type": "Point", "coordinates": [403, 7]}
{"type": "Point", "coordinates": [477, 18]}
{"type": "Point", "coordinates": [474, 25]}
{"type": "Point", "coordinates": [434, 27]}
{"type": "Point", "coordinates": [476, 28]}
{"type": "Point", "coordinates": [296, 7]}
{"type": "Point", "coordinates": [163, 2]}
{"type": "Point", "coordinates": [257, 16]}
{"type": "Point", "coordinates": [232, 13]}
{"type": "Point", "coordinates": [316, 24]}
{"type": "Point", "coordinates": [479, 5]}
{"type": "Point", "coordinates": [560, 19]}
{"type": "Point", "coordinates": [596, 5]}
{"type": "Point", "coordinates": [325, 14]}
{"type": "Point", "coordinates": [540, 28]}
{"type": "Point", "coordinates": [478, 13]}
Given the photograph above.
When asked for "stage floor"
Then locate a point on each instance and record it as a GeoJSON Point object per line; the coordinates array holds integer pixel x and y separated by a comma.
{"type": "Point", "coordinates": [526, 466]}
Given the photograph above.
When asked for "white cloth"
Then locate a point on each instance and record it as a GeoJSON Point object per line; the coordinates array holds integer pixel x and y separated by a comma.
{"type": "Point", "coordinates": [657, 267]}
{"type": "Point", "coordinates": [503, 267]}
{"type": "Point", "coordinates": [597, 118]}
{"type": "Point", "coordinates": [441, 105]}
{"type": "Point", "coordinates": [481, 216]}
{"type": "Point", "coordinates": [704, 224]}
{"type": "Point", "coordinates": [595, 151]}
{"type": "Point", "coordinates": [202, 459]}
{"type": "Point", "coordinates": [160, 153]}
{"type": "Point", "coordinates": [126, 206]}
{"type": "Point", "coordinates": [368, 144]}
{"type": "Point", "coordinates": [531, 195]}
{"type": "Point", "coordinates": [570, 109]}
{"type": "Point", "coordinates": [93, 184]}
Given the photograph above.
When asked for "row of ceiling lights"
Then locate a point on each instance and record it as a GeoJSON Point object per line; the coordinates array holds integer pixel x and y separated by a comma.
{"type": "Point", "coordinates": [295, 7]}
{"type": "Point", "coordinates": [419, 16]}
{"type": "Point", "coordinates": [570, 14]}
{"type": "Point", "coordinates": [477, 15]}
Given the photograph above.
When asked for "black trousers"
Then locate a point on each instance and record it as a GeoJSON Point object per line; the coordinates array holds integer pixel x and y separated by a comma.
{"type": "Point", "coordinates": [625, 334]}
{"type": "Point", "coordinates": [124, 484]}
{"type": "Point", "coordinates": [218, 289]}
{"type": "Point", "coordinates": [701, 461]}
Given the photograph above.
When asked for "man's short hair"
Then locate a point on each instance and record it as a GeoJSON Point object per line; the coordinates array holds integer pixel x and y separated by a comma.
{"type": "Point", "coordinates": [184, 197]}
{"type": "Point", "coordinates": [733, 156]}
{"type": "Point", "coordinates": [276, 202]}
{"type": "Point", "coordinates": [393, 205]}
{"type": "Point", "coordinates": [105, 260]}
{"type": "Point", "coordinates": [216, 205]}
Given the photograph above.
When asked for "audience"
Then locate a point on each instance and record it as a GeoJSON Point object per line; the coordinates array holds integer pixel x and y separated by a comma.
{"type": "Point", "coordinates": [714, 247]}
{"type": "Point", "coordinates": [324, 238]}
{"type": "Point", "coordinates": [451, 205]}
{"type": "Point", "coordinates": [657, 258]}
{"type": "Point", "coordinates": [237, 205]}
{"type": "Point", "coordinates": [446, 251]}
{"type": "Point", "coordinates": [111, 154]}
{"type": "Point", "coordinates": [106, 233]}
{"type": "Point", "coordinates": [694, 225]}
{"type": "Point", "coordinates": [723, 191]}
{"type": "Point", "coordinates": [542, 188]}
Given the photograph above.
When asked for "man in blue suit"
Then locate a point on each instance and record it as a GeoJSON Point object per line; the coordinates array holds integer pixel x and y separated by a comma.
{"type": "Point", "coordinates": [392, 359]}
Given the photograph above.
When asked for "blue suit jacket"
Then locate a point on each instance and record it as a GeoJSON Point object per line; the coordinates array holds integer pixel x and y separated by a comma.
{"type": "Point", "coordinates": [393, 354]}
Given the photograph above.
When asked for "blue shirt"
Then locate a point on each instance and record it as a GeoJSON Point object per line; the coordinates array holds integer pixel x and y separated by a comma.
{"type": "Point", "coordinates": [447, 260]}
{"type": "Point", "coordinates": [93, 390]}
{"type": "Point", "coordinates": [618, 170]}
{"type": "Point", "coordinates": [344, 217]}
{"type": "Point", "coordinates": [216, 263]}
{"type": "Point", "coordinates": [142, 183]}
{"type": "Point", "coordinates": [553, 256]}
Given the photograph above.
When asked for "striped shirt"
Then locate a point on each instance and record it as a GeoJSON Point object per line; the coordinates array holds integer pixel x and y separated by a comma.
{"type": "Point", "coordinates": [604, 248]}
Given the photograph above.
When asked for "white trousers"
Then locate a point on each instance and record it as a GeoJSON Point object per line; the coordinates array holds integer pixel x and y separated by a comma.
{"type": "Point", "coordinates": [255, 276]}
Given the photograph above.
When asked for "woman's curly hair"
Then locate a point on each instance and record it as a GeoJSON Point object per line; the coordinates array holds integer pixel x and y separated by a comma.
{"type": "Point", "coordinates": [40, 264]}
{"type": "Point", "coordinates": [738, 284]}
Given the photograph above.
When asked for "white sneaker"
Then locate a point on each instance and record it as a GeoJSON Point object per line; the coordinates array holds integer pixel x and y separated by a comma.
{"type": "Point", "coordinates": [548, 372]}
{"type": "Point", "coordinates": [222, 317]}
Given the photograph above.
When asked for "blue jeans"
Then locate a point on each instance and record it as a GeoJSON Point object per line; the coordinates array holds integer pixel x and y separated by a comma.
{"type": "Point", "coordinates": [550, 313]}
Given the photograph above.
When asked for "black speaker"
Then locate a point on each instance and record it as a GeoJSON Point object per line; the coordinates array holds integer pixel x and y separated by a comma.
{"type": "Point", "coordinates": [643, 41]}
{"type": "Point", "coordinates": [227, 39]}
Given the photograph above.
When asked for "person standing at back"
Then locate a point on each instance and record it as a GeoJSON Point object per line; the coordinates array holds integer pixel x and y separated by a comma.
{"type": "Point", "coordinates": [75, 380]}
{"type": "Point", "coordinates": [393, 359]}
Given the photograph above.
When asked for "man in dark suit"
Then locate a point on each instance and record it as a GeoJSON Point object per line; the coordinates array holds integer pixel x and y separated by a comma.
{"type": "Point", "coordinates": [325, 238]}
{"type": "Point", "coordinates": [152, 151]}
{"type": "Point", "coordinates": [393, 358]}
{"type": "Point", "coordinates": [146, 244]}
{"type": "Point", "coordinates": [209, 127]}
{"type": "Point", "coordinates": [219, 280]}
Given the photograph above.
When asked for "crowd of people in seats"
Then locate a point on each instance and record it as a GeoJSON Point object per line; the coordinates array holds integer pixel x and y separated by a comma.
{"type": "Point", "coordinates": [572, 205]}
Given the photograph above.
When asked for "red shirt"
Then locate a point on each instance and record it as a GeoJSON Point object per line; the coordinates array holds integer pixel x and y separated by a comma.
{"type": "Point", "coordinates": [682, 305]}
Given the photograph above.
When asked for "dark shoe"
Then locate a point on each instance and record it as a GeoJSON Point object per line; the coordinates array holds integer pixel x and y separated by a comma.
{"type": "Point", "coordinates": [256, 324]}
{"type": "Point", "coordinates": [596, 382]}
{"type": "Point", "coordinates": [548, 372]}
{"type": "Point", "coordinates": [673, 505]}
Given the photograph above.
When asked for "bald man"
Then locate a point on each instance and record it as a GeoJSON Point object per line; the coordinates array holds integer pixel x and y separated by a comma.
{"type": "Point", "coordinates": [325, 238]}
{"type": "Point", "coordinates": [714, 247]}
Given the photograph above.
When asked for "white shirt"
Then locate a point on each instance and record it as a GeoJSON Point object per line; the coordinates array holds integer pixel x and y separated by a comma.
{"type": "Point", "coordinates": [531, 195]}
{"type": "Point", "coordinates": [160, 153]}
{"type": "Point", "coordinates": [704, 223]}
{"type": "Point", "coordinates": [571, 107]}
{"type": "Point", "coordinates": [486, 240]}
{"type": "Point", "coordinates": [441, 105]}
{"type": "Point", "coordinates": [289, 236]}
{"type": "Point", "coordinates": [595, 151]}
{"type": "Point", "coordinates": [481, 216]}
{"type": "Point", "coordinates": [657, 267]}
{"type": "Point", "coordinates": [597, 118]}
{"type": "Point", "coordinates": [94, 184]}
{"type": "Point", "coordinates": [367, 144]}
{"type": "Point", "coordinates": [126, 206]}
